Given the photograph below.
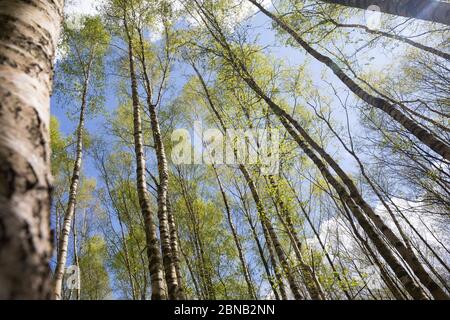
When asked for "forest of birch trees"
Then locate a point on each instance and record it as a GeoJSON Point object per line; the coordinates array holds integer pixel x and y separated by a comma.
{"type": "Point", "coordinates": [109, 188]}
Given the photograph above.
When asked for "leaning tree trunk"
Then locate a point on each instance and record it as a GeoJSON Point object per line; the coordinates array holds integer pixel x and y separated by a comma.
{"type": "Point", "coordinates": [421, 133]}
{"type": "Point", "coordinates": [153, 253]}
{"type": "Point", "coordinates": [429, 10]}
{"type": "Point", "coordinates": [73, 190]}
{"type": "Point", "coordinates": [28, 38]}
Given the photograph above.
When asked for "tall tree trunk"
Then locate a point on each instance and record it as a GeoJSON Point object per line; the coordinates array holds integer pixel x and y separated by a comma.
{"type": "Point", "coordinates": [73, 191]}
{"type": "Point", "coordinates": [273, 261]}
{"type": "Point", "coordinates": [163, 173]}
{"type": "Point", "coordinates": [429, 10]}
{"type": "Point", "coordinates": [28, 38]}
{"type": "Point", "coordinates": [153, 253]}
{"type": "Point", "coordinates": [413, 127]}
{"type": "Point", "coordinates": [75, 257]}
{"type": "Point", "coordinates": [237, 242]}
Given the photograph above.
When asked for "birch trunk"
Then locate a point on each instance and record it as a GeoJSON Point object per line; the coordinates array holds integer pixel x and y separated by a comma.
{"type": "Point", "coordinates": [28, 38]}
{"type": "Point", "coordinates": [73, 190]}
{"type": "Point", "coordinates": [163, 186]}
{"type": "Point", "coordinates": [153, 253]}
{"type": "Point", "coordinates": [175, 246]}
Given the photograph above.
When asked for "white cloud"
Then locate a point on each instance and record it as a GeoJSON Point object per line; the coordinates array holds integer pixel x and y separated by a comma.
{"type": "Point", "coordinates": [82, 7]}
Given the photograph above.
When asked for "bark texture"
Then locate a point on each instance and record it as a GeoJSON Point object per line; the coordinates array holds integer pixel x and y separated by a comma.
{"type": "Point", "coordinates": [153, 253]}
{"type": "Point", "coordinates": [28, 38]}
{"type": "Point", "coordinates": [174, 290]}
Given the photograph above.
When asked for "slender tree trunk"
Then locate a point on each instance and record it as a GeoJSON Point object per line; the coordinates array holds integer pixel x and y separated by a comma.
{"type": "Point", "coordinates": [261, 252]}
{"type": "Point", "coordinates": [168, 263]}
{"type": "Point", "coordinates": [273, 261]}
{"type": "Point", "coordinates": [429, 10]}
{"type": "Point", "coordinates": [247, 277]}
{"type": "Point", "coordinates": [413, 127]}
{"type": "Point", "coordinates": [163, 186]}
{"type": "Point", "coordinates": [28, 38]}
{"type": "Point", "coordinates": [75, 257]}
{"type": "Point", "coordinates": [153, 253]}
{"type": "Point", "coordinates": [73, 191]}
{"type": "Point", "coordinates": [175, 246]}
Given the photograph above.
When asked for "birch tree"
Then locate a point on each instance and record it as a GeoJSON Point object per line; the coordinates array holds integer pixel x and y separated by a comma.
{"type": "Point", "coordinates": [28, 42]}
{"type": "Point", "coordinates": [83, 77]}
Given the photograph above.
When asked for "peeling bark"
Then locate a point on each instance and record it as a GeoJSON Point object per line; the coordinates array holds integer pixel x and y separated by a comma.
{"type": "Point", "coordinates": [28, 38]}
